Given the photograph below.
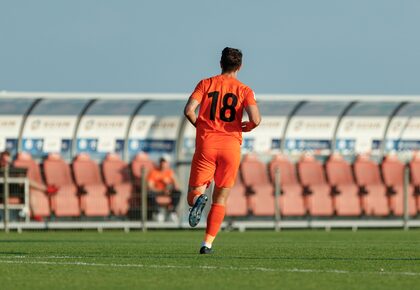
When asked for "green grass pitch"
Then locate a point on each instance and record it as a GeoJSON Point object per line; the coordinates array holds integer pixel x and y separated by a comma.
{"type": "Point", "coordinates": [294, 259]}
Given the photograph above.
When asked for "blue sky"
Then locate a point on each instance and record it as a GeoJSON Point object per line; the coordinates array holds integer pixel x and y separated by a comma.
{"type": "Point", "coordinates": [296, 46]}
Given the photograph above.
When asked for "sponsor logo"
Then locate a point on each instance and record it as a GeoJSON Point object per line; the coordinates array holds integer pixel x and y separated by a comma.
{"type": "Point", "coordinates": [103, 124]}
{"type": "Point", "coordinates": [362, 125]}
{"type": "Point", "coordinates": [270, 124]}
{"type": "Point", "coordinates": [312, 125]}
{"type": "Point", "coordinates": [89, 125]}
{"type": "Point", "coordinates": [4, 124]}
{"type": "Point", "coordinates": [348, 126]}
{"type": "Point", "coordinates": [141, 125]}
{"type": "Point", "coordinates": [50, 124]}
{"type": "Point", "coordinates": [163, 125]}
{"type": "Point", "coordinates": [56, 125]}
{"type": "Point", "coordinates": [396, 126]}
{"type": "Point", "coordinates": [35, 124]}
{"type": "Point", "coordinates": [298, 125]}
{"type": "Point", "coordinates": [413, 125]}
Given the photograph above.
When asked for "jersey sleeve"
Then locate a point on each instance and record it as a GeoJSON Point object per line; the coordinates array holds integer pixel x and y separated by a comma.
{"type": "Point", "coordinates": [249, 98]}
{"type": "Point", "coordinates": [198, 92]}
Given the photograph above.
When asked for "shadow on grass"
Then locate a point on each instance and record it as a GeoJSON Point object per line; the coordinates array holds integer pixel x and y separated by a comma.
{"type": "Point", "coordinates": [189, 255]}
{"type": "Point", "coordinates": [13, 253]}
{"type": "Point", "coordinates": [324, 258]}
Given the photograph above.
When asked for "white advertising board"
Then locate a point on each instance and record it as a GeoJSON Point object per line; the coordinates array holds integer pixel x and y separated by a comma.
{"type": "Point", "coordinates": [361, 134]}
{"type": "Point", "coordinates": [103, 126]}
{"type": "Point", "coordinates": [49, 126]}
{"type": "Point", "coordinates": [403, 134]}
{"type": "Point", "coordinates": [151, 127]}
{"type": "Point", "coordinates": [10, 126]}
{"type": "Point", "coordinates": [311, 127]}
{"type": "Point", "coordinates": [266, 137]}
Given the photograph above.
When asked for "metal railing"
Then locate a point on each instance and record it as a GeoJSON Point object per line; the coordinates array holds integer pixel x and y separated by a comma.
{"type": "Point", "coordinates": [142, 218]}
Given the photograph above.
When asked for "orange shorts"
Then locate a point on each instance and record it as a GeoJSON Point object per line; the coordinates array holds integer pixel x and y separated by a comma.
{"type": "Point", "coordinates": [220, 164]}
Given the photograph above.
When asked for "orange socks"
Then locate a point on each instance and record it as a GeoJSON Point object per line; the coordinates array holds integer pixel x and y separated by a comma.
{"type": "Point", "coordinates": [192, 195]}
{"type": "Point", "coordinates": [214, 221]}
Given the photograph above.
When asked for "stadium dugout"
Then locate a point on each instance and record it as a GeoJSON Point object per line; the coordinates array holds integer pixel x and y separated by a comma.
{"type": "Point", "coordinates": [341, 160]}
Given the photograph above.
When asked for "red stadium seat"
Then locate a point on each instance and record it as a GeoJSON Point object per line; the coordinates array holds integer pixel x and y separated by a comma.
{"type": "Point", "coordinates": [393, 174]}
{"type": "Point", "coordinates": [38, 199]}
{"type": "Point", "coordinates": [237, 204]}
{"type": "Point", "coordinates": [141, 160]}
{"type": "Point", "coordinates": [92, 190]}
{"type": "Point", "coordinates": [255, 178]}
{"type": "Point", "coordinates": [58, 174]}
{"type": "Point", "coordinates": [368, 178]}
{"type": "Point", "coordinates": [415, 177]}
{"type": "Point", "coordinates": [117, 178]}
{"type": "Point", "coordinates": [291, 200]}
{"type": "Point", "coordinates": [345, 191]}
{"type": "Point", "coordinates": [316, 188]}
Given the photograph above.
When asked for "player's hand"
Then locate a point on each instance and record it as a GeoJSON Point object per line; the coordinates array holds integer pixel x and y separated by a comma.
{"type": "Point", "coordinates": [247, 126]}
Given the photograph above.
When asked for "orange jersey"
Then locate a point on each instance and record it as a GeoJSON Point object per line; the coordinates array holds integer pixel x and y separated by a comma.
{"type": "Point", "coordinates": [222, 101]}
{"type": "Point", "coordinates": [161, 178]}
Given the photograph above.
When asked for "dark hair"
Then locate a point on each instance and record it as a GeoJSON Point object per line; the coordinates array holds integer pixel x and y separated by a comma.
{"type": "Point", "coordinates": [162, 159]}
{"type": "Point", "coordinates": [231, 59]}
{"type": "Point", "coordinates": [5, 152]}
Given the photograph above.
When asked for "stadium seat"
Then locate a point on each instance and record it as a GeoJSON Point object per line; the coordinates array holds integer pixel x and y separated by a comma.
{"type": "Point", "coordinates": [415, 177]}
{"type": "Point", "coordinates": [368, 178]}
{"type": "Point", "coordinates": [92, 190]}
{"type": "Point", "coordinates": [344, 190]}
{"type": "Point", "coordinates": [58, 174]}
{"type": "Point", "coordinates": [258, 187]}
{"type": "Point", "coordinates": [291, 200]}
{"type": "Point", "coordinates": [117, 179]}
{"type": "Point", "coordinates": [315, 186]}
{"type": "Point", "coordinates": [237, 204]}
{"type": "Point", "coordinates": [38, 200]}
{"type": "Point", "coordinates": [141, 160]}
{"type": "Point", "coordinates": [393, 174]}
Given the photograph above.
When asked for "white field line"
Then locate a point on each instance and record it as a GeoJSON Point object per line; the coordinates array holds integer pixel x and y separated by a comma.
{"type": "Point", "coordinates": [24, 260]}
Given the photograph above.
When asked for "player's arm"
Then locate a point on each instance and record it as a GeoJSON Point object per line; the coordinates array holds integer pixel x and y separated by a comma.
{"type": "Point", "coordinates": [193, 103]}
{"type": "Point", "coordinates": [189, 110]}
{"type": "Point", "coordinates": [253, 116]}
{"type": "Point", "coordinates": [251, 108]}
{"type": "Point", "coordinates": [151, 185]}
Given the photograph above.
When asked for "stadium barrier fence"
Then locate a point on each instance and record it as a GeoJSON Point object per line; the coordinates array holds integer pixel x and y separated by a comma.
{"type": "Point", "coordinates": [406, 199]}
{"type": "Point", "coordinates": [6, 198]}
{"type": "Point", "coordinates": [144, 198]}
{"type": "Point", "coordinates": [277, 191]}
{"type": "Point", "coordinates": [141, 220]}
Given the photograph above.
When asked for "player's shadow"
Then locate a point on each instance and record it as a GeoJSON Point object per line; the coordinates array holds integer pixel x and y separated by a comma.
{"type": "Point", "coordinates": [12, 253]}
{"type": "Point", "coordinates": [49, 241]}
{"type": "Point", "coordinates": [325, 258]}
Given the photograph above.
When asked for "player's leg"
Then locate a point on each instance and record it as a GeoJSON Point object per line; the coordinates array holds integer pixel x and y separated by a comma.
{"type": "Point", "coordinates": [194, 192]}
{"type": "Point", "coordinates": [198, 200]}
{"type": "Point", "coordinates": [215, 217]}
{"type": "Point", "coordinates": [202, 171]}
{"type": "Point", "coordinates": [225, 176]}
